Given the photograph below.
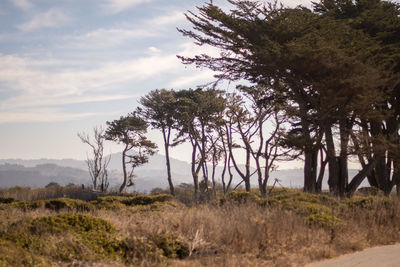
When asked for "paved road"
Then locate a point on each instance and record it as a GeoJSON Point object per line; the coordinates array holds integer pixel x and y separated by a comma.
{"type": "Point", "coordinates": [385, 256]}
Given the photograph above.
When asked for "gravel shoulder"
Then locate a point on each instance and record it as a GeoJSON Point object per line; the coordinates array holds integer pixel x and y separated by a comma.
{"type": "Point", "coordinates": [384, 256]}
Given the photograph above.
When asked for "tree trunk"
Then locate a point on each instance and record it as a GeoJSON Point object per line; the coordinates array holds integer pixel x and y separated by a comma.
{"type": "Point", "coordinates": [345, 127]}
{"type": "Point", "coordinates": [195, 174]}
{"type": "Point", "coordinates": [321, 172]}
{"type": "Point", "coordinates": [310, 171]}
{"type": "Point", "coordinates": [357, 180]}
{"type": "Point", "coordinates": [333, 180]}
{"type": "Point", "coordinates": [168, 163]}
{"type": "Point", "coordinates": [382, 178]}
{"type": "Point", "coordinates": [123, 185]}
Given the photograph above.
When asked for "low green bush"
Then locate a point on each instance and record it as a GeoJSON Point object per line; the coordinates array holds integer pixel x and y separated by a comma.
{"type": "Point", "coordinates": [65, 237]}
{"type": "Point", "coordinates": [324, 219]}
{"type": "Point", "coordinates": [170, 244]}
{"type": "Point", "coordinates": [119, 202]}
{"type": "Point", "coordinates": [57, 204]}
{"type": "Point", "coordinates": [68, 204]}
{"type": "Point", "coordinates": [7, 200]}
{"type": "Point", "coordinates": [240, 197]}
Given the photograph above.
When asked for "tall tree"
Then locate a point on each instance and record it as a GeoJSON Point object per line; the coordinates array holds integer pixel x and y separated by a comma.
{"type": "Point", "coordinates": [380, 20]}
{"type": "Point", "coordinates": [197, 112]}
{"type": "Point", "coordinates": [130, 132]}
{"type": "Point", "coordinates": [321, 62]}
{"type": "Point", "coordinates": [159, 107]}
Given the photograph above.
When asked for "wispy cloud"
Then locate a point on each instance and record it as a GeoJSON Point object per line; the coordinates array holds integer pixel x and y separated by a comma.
{"type": "Point", "coordinates": [41, 115]}
{"type": "Point", "coordinates": [25, 5]}
{"type": "Point", "coordinates": [199, 78]}
{"type": "Point", "coordinates": [34, 86]}
{"type": "Point", "coordinates": [105, 38]}
{"type": "Point", "coordinates": [170, 18]}
{"type": "Point", "coordinates": [52, 18]}
{"type": "Point", "coordinates": [116, 6]}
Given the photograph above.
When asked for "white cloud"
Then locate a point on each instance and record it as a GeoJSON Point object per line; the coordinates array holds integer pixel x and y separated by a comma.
{"type": "Point", "coordinates": [198, 78]}
{"type": "Point", "coordinates": [170, 18]}
{"type": "Point", "coordinates": [38, 86]}
{"type": "Point", "coordinates": [37, 83]}
{"type": "Point", "coordinates": [116, 6]}
{"type": "Point", "coordinates": [52, 18]}
{"type": "Point", "coordinates": [154, 50]}
{"type": "Point", "coordinates": [105, 38]}
{"type": "Point", "coordinates": [41, 115]}
{"type": "Point", "coordinates": [23, 4]}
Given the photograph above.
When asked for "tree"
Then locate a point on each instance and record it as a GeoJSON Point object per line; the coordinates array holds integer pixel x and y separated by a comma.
{"type": "Point", "coordinates": [158, 109]}
{"type": "Point", "coordinates": [267, 117]}
{"type": "Point", "coordinates": [379, 134]}
{"type": "Point", "coordinates": [97, 164]}
{"type": "Point", "coordinates": [196, 114]}
{"type": "Point", "coordinates": [130, 132]}
{"type": "Point", "coordinates": [322, 65]}
{"type": "Point", "coordinates": [239, 121]}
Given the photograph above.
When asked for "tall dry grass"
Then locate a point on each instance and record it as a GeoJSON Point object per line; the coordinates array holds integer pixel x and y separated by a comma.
{"type": "Point", "coordinates": [248, 234]}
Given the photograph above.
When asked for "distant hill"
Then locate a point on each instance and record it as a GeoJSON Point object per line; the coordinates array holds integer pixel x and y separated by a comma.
{"type": "Point", "coordinates": [40, 172]}
{"type": "Point", "coordinates": [39, 176]}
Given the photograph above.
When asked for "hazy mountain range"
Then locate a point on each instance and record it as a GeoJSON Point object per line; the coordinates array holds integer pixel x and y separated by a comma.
{"type": "Point", "coordinates": [40, 172]}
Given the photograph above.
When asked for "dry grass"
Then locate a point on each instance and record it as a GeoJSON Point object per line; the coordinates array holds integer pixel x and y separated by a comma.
{"type": "Point", "coordinates": [254, 233]}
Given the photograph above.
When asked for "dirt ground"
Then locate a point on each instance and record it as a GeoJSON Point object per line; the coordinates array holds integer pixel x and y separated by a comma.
{"type": "Point", "coordinates": [385, 256]}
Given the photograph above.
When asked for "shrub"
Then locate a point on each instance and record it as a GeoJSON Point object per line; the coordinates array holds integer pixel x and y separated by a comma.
{"type": "Point", "coordinates": [324, 219]}
{"type": "Point", "coordinates": [65, 237]}
{"type": "Point", "coordinates": [6, 200]}
{"type": "Point", "coordinates": [12, 255]}
{"type": "Point", "coordinates": [142, 249]}
{"type": "Point", "coordinates": [240, 197]}
{"type": "Point", "coordinates": [112, 202]}
{"type": "Point", "coordinates": [170, 244]}
{"type": "Point", "coordinates": [68, 204]}
{"type": "Point", "coordinates": [370, 191]}
{"type": "Point", "coordinates": [146, 199]}
{"type": "Point", "coordinates": [56, 205]}
{"type": "Point", "coordinates": [303, 203]}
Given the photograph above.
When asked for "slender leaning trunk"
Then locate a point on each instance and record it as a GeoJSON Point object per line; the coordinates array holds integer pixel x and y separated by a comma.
{"type": "Point", "coordinates": [124, 170]}
{"type": "Point", "coordinates": [167, 161]}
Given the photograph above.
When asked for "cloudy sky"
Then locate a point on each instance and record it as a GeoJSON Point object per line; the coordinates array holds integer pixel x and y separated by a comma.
{"type": "Point", "coordinates": [69, 65]}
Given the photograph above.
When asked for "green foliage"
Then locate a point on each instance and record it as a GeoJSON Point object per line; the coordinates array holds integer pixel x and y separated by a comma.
{"type": "Point", "coordinates": [13, 255]}
{"type": "Point", "coordinates": [7, 200]}
{"type": "Point", "coordinates": [142, 249]}
{"type": "Point", "coordinates": [146, 199]}
{"type": "Point", "coordinates": [240, 197]}
{"type": "Point", "coordinates": [170, 244]}
{"type": "Point", "coordinates": [303, 203]}
{"type": "Point", "coordinates": [65, 237]}
{"type": "Point", "coordinates": [68, 204]}
{"type": "Point", "coordinates": [29, 205]}
{"type": "Point", "coordinates": [56, 205]}
{"type": "Point", "coordinates": [370, 202]}
{"type": "Point", "coordinates": [370, 191]}
{"type": "Point", "coordinates": [324, 219]}
{"type": "Point", "coordinates": [138, 203]}
{"type": "Point", "coordinates": [135, 200]}
{"type": "Point", "coordinates": [130, 132]}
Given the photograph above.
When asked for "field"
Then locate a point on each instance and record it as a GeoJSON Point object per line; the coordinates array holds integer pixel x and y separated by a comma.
{"type": "Point", "coordinates": [289, 228]}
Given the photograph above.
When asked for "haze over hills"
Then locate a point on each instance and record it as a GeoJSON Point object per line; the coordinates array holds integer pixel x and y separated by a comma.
{"type": "Point", "coordinates": [40, 172]}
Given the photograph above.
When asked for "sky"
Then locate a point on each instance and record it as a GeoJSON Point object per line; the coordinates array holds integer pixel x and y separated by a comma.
{"type": "Point", "coordinates": [69, 65]}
